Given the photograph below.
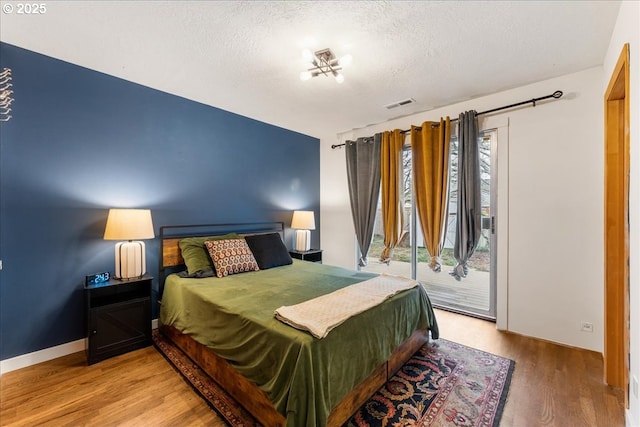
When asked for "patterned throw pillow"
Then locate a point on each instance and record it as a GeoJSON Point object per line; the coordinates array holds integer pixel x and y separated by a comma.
{"type": "Point", "coordinates": [231, 256]}
{"type": "Point", "coordinates": [196, 257]}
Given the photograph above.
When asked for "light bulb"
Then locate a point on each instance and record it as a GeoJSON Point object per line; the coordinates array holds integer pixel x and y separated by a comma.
{"type": "Point", "coordinates": [339, 77]}
{"type": "Point", "coordinates": [307, 56]}
{"type": "Point", "coordinates": [345, 61]}
{"type": "Point", "coordinates": [305, 75]}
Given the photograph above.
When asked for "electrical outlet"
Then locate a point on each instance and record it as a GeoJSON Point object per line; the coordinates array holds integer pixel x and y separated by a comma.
{"type": "Point", "coordinates": [634, 386]}
{"type": "Point", "coordinates": [586, 326]}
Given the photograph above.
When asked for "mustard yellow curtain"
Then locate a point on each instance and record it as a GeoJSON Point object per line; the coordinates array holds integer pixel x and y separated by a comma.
{"type": "Point", "coordinates": [392, 191]}
{"type": "Point", "coordinates": [430, 157]}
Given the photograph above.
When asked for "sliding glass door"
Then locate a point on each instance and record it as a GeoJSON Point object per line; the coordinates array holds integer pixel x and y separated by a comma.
{"type": "Point", "coordinates": [474, 294]}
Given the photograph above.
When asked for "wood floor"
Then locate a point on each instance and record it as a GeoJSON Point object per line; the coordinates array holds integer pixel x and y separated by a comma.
{"type": "Point", "coordinates": [552, 385]}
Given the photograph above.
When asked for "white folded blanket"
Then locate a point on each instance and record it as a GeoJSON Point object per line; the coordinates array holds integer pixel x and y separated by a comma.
{"type": "Point", "coordinates": [320, 315]}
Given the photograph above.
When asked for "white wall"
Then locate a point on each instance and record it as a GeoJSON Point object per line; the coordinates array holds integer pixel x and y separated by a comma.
{"type": "Point", "coordinates": [627, 30]}
{"type": "Point", "coordinates": [556, 215]}
{"type": "Point", "coordinates": [551, 259]}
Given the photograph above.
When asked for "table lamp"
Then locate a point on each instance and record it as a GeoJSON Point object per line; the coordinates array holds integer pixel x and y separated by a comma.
{"type": "Point", "coordinates": [302, 222]}
{"type": "Point", "coordinates": [131, 225]}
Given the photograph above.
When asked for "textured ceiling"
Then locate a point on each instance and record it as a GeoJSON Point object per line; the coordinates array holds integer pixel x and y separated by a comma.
{"type": "Point", "coordinates": [245, 56]}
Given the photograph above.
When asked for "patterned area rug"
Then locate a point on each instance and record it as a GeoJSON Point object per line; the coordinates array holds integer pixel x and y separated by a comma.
{"type": "Point", "coordinates": [218, 399]}
{"type": "Point", "coordinates": [443, 384]}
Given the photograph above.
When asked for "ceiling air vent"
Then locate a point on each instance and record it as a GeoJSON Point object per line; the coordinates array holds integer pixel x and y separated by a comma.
{"type": "Point", "coordinates": [400, 103]}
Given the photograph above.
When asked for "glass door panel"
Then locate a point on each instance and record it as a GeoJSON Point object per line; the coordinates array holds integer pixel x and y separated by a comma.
{"type": "Point", "coordinates": [401, 257]}
{"type": "Point", "coordinates": [474, 294]}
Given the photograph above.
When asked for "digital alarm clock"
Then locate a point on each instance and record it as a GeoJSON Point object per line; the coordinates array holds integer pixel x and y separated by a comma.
{"type": "Point", "coordinates": [97, 278]}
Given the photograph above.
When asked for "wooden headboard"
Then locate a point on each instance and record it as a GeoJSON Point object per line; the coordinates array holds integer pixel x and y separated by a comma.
{"type": "Point", "coordinates": [170, 236]}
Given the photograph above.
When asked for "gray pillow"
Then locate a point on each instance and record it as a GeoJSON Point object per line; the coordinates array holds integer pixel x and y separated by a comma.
{"type": "Point", "coordinates": [268, 250]}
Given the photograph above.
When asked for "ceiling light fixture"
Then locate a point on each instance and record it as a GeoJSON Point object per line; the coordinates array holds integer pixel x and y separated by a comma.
{"type": "Point", "coordinates": [324, 62]}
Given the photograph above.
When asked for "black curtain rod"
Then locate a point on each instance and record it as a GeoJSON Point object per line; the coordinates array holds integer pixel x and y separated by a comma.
{"type": "Point", "coordinates": [557, 94]}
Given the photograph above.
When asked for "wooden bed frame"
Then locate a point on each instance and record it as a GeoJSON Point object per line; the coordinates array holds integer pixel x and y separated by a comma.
{"type": "Point", "coordinates": [247, 393]}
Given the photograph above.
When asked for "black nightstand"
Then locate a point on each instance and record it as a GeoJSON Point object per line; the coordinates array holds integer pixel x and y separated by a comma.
{"type": "Point", "coordinates": [313, 255]}
{"type": "Point", "coordinates": [118, 317]}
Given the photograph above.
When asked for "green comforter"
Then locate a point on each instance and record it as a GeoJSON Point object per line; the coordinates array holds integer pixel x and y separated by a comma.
{"type": "Point", "coordinates": [303, 376]}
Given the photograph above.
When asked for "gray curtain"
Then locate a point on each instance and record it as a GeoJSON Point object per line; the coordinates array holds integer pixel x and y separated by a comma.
{"type": "Point", "coordinates": [468, 225]}
{"type": "Point", "coordinates": [363, 174]}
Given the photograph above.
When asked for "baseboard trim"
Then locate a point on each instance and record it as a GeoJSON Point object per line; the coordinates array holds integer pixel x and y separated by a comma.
{"type": "Point", "coordinates": [46, 354]}
{"type": "Point", "coordinates": [40, 356]}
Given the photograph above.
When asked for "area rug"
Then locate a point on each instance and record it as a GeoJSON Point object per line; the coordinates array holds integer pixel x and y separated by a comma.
{"type": "Point", "coordinates": [218, 399]}
{"type": "Point", "coordinates": [443, 384]}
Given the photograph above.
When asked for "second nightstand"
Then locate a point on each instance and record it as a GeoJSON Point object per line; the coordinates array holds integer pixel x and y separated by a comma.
{"type": "Point", "coordinates": [118, 317]}
{"type": "Point", "coordinates": [313, 255]}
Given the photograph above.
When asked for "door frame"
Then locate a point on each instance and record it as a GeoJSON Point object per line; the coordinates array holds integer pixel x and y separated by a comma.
{"type": "Point", "coordinates": [616, 226]}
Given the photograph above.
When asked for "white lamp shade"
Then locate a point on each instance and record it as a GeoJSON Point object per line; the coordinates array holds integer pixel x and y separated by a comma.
{"type": "Point", "coordinates": [129, 224]}
{"type": "Point", "coordinates": [303, 220]}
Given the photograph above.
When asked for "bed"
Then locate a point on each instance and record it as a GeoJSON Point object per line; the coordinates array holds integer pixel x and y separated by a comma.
{"type": "Point", "coordinates": [280, 374]}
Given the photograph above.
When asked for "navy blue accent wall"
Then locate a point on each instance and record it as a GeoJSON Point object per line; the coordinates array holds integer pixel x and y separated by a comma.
{"type": "Point", "coordinates": [81, 142]}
